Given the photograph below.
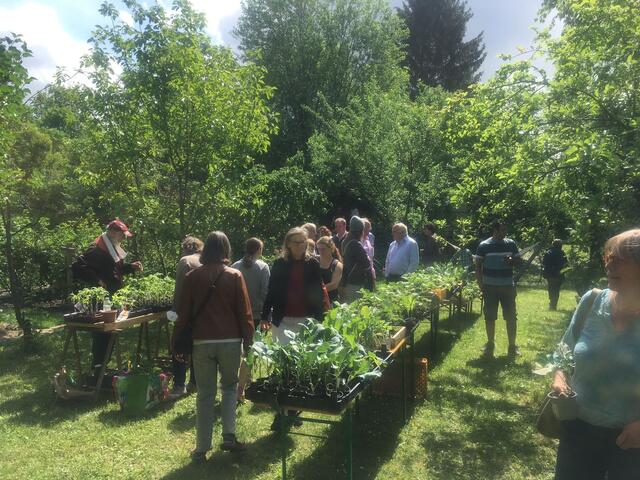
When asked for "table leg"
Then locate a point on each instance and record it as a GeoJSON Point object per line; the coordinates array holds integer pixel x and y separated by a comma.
{"type": "Point", "coordinates": [156, 350]}
{"type": "Point", "coordinates": [139, 347]}
{"type": "Point", "coordinates": [168, 330]}
{"type": "Point", "coordinates": [412, 366]}
{"type": "Point", "coordinates": [103, 367]}
{"type": "Point", "coordinates": [146, 340]}
{"type": "Point", "coordinates": [283, 442]}
{"type": "Point", "coordinates": [118, 353]}
{"type": "Point", "coordinates": [349, 435]}
{"type": "Point", "coordinates": [77, 354]}
{"type": "Point", "coordinates": [404, 387]}
{"type": "Point", "coordinates": [65, 348]}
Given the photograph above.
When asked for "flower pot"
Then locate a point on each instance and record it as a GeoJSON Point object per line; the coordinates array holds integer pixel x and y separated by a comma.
{"type": "Point", "coordinates": [564, 407]}
{"type": "Point", "coordinates": [107, 316]}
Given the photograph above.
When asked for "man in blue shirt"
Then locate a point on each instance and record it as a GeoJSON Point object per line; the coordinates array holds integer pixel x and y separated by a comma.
{"type": "Point", "coordinates": [403, 256]}
{"type": "Point", "coordinates": [495, 259]}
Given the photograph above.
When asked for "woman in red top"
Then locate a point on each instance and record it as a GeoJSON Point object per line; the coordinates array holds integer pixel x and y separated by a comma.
{"type": "Point", "coordinates": [296, 292]}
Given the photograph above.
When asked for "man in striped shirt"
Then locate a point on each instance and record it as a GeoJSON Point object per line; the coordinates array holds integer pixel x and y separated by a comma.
{"type": "Point", "coordinates": [495, 259]}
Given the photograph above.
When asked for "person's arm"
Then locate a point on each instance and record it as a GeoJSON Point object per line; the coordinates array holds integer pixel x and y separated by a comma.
{"type": "Point", "coordinates": [181, 272]}
{"type": "Point", "coordinates": [414, 257]}
{"type": "Point", "coordinates": [479, 261]}
{"type": "Point", "coordinates": [560, 383]}
{"type": "Point", "coordinates": [243, 312]}
{"type": "Point", "coordinates": [270, 298]}
{"type": "Point", "coordinates": [336, 276]}
{"type": "Point", "coordinates": [186, 299]}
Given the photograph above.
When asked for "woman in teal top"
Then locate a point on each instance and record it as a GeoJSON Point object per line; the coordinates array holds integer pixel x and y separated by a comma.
{"type": "Point", "coordinates": [604, 442]}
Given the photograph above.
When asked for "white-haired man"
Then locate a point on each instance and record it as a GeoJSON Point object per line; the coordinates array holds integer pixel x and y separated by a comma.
{"type": "Point", "coordinates": [403, 255]}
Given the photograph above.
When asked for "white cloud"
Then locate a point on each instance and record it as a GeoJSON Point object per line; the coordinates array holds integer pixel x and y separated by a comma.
{"type": "Point", "coordinates": [51, 45]}
{"type": "Point", "coordinates": [216, 11]}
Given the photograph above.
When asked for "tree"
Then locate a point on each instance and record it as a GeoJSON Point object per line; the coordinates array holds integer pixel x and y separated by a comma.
{"type": "Point", "coordinates": [14, 177]}
{"type": "Point", "coordinates": [317, 51]}
{"type": "Point", "coordinates": [437, 53]}
{"type": "Point", "coordinates": [174, 131]}
{"type": "Point", "coordinates": [384, 153]}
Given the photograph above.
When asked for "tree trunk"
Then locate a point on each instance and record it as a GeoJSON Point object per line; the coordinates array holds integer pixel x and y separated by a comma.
{"type": "Point", "coordinates": [15, 286]}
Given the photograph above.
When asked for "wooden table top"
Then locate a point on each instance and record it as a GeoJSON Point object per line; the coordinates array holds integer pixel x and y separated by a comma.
{"type": "Point", "coordinates": [118, 325]}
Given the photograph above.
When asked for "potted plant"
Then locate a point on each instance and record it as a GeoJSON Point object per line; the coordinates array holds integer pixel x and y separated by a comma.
{"type": "Point", "coordinates": [564, 406]}
{"type": "Point", "coordinates": [88, 303]}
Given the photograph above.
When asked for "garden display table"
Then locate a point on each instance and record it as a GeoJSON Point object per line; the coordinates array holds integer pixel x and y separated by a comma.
{"type": "Point", "coordinates": [114, 329]}
{"type": "Point", "coordinates": [344, 408]}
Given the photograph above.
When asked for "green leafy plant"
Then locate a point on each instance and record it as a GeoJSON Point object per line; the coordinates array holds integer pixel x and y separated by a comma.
{"type": "Point", "coordinates": [89, 300]}
{"type": "Point", "coordinates": [317, 361]}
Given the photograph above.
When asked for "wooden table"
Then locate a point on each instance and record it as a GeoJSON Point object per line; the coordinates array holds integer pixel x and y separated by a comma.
{"type": "Point", "coordinates": [114, 329]}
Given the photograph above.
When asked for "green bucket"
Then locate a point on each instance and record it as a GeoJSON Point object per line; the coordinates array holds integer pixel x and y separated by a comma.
{"type": "Point", "coordinates": [136, 386]}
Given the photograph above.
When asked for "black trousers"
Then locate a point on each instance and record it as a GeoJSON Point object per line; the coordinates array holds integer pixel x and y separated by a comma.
{"type": "Point", "coordinates": [553, 287]}
{"type": "Point", "coordinates": [588, 452]}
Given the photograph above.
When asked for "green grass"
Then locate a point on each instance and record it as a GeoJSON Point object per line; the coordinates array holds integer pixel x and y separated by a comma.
{"type": "Point", "coordinates": [477, 423]}
{"type": "Point", "coordinates": [40, 317]}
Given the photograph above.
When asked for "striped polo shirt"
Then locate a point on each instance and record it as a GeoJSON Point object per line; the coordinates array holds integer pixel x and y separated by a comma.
{"type": "Point", "coordinates": [495, 271]}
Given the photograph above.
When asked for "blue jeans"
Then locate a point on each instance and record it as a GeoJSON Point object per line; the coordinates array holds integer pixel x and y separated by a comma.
{"type": "Point", "coordinates": [588, 452]}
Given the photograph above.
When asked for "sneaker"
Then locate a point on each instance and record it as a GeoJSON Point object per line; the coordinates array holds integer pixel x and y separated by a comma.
{"type": "Point", "coordinates": [233, 445]}
{"type": "Point", "coordinates": [488, 349]}
{"type": "Point", "coordinates": [513, 351]}
{"type": "Point", "coordinates": [177, 391]}
{"type": "Point", "coordinates": [198, 457]}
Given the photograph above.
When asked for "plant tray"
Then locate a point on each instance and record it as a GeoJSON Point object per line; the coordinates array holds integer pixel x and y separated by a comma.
{"type": "Point", "coordinates": [80, 317]}
{"type": "Point", "coordinates": [257, 394]}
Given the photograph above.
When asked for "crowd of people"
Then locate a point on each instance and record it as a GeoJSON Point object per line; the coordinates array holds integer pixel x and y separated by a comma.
{"type": "Point", "coordinates": [224, 303]}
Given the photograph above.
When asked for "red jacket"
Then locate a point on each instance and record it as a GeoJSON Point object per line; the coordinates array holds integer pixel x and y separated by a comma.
{"type": "Point", "coordinates": [227, 313]}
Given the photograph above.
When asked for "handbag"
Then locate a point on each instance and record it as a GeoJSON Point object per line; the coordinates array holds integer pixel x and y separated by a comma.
{"type": "Point", "coordinates": [547, 423]}
{"type": "Point", "coordinates": [183, 342]}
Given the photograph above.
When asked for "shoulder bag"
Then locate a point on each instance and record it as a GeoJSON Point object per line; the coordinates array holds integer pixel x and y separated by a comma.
{"type": "Point", "coordinates": [183, 343]}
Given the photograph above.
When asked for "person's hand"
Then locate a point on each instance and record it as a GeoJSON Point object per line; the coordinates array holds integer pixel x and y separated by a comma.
{"type": "Point", "coordinates": [508, 260]}
{"type": "Point", "coordinates": [264, 326]}
{"type": "Point", "coordinates": [180, 357]}
{"type": "Point", "coordinates": [102, 284]}
{"type": "Point", "coordinates": [137, 266]}
{"type": "Point", "coordinates": [630, 436]}
{"type": "Point", "coordinates": [560, 385]}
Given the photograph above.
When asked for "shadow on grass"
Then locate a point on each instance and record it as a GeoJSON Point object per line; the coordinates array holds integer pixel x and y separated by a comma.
{"type": "Point", "coordinates": [32, 372]}
{"type": "Point", "coordinates": [258, 457]}
{"type": "Point", "coordinates": [500, 430]}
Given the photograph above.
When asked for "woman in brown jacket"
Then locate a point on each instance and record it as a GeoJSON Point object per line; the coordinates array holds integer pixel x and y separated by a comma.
{"type": "Point", "coordinates": [220, 331]}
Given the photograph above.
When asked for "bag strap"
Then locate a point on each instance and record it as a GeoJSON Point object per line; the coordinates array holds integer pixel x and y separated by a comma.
{"type": "Point", "coordinates": [206, 298]}
{"type": "Point", "coordinates": [581, 320]}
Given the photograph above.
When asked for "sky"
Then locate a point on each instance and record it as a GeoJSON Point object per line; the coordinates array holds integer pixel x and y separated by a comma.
{"type": "Point", "coordinates": [56, 31]}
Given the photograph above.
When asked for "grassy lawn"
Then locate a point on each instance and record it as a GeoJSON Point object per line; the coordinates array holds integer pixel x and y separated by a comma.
{"type": "Point", "coordinates": [477, 422]}
{"type": "Point", "coordinates": [40, 317]}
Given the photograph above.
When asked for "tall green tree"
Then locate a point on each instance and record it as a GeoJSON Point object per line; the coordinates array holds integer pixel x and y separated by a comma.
{"type": "Point", "coordinates": [15, 175]}
{"type": "Point", "coordinates": [437, 52]}
{"type": "Point", "coordinates": [594, 115]}
{"type": "Point", "coordinates": [173, 131]}
{"type": "Point", "coordinates": [318, 51]}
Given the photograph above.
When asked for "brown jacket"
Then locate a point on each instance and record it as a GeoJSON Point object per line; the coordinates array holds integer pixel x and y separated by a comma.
{"type": "Point", "coordinates": [185, 265]}
{"type": "Point", "coordinates": [226, 315]}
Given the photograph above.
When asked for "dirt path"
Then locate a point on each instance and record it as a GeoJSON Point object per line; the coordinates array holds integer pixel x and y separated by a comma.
{"type": "Point", "coordinates": [10, 333]}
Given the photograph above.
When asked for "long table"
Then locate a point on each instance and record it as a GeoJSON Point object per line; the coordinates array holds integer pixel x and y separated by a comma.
{"type": "Point", "coordinates": [114, 329]}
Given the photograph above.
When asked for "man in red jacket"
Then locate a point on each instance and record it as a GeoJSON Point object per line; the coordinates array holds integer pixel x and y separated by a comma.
{"type": "Point", "coordinates": [103, 264]}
